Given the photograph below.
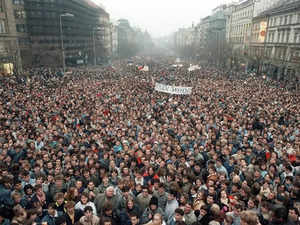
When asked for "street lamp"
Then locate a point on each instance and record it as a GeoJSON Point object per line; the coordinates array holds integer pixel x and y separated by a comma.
{"type": "Point", "coordinates": [61, 38]}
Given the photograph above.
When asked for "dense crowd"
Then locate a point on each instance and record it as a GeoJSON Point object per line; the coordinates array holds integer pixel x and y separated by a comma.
{"type": "Point", "coordinates": [104, 148]}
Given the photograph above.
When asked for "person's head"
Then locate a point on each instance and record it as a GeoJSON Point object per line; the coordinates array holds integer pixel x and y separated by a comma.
{"type": "Point", "coordinates": [215, 210]}
{"type": "Point", "coordinates": [88, 211]}
{"type": "Point", "coordinates": [28, 189]}
{"type": "Point", "coordinates": [84, 198]}
{"type": "Point", "coordinates": [59, 198]}
{"type": "Point", "coordinates": [213, 223]}
{"type": "Point", "coordinates": [51, 208]}
{"type": "Point", "coordinates": [17, 197]}
{"type": "Point", "coordinates": [280, 213]}
{"type": "Point", "coordinates": [293, 214]}
{"type": "Point", "coordinates": [125, 191]}
{"type": "Point", "coordinates": [178, 214]}
{"type": "Point", "coordinates": [145, 191]}
{"type": "Point", "coordinates": [153, 204]}
{"type": "Point", "coordinates": [252, 203]}
{"type": "Point", "coordinates": [210, 199]}
{"type": "Point", "coordinates": [157, 219]}
{"type": "Point", "coordinates": [249, 218]}
{"type": "Point", "coordinates": [134, 219]}
{"type": "Point", "coordinates": [171, 195]}
{"type": "Point", "coordinates": [203, 210]}
{"type": "Point", "coordinates": [161, 188]}
{"type": "Point", "coordinates": [69, 206]}
{"type": "Point", "coordinates": [130, 203]}
{"type": "Point", "coordinates": [107, 221]}
{"type": "Point", "coordinates": [188, 208]}
{"type": "Point", "coordinates": [39, 189]}
{"type": "Point", "coordinates": [32, 214]}
{"type": "Point", "coordinates": [61, 220]}
{"type": "Point", "coordinates": [20, 212]}
{"type": "Point", "coordinates": [79, 184]}
{"type": "Point", "coordinates": [228, 219]}
{"type": "Point", "coordinates": [110, 192]}
{"type": "Point", "coordinates": [91, 185]}
{"type": "Point", "coordinates": [107, 209]}
{"type": "Point", "coordinates": [59, 180]}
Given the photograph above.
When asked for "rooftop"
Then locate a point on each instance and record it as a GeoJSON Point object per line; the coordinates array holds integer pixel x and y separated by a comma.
{"type": "Point", "coordinates": [291, 5]}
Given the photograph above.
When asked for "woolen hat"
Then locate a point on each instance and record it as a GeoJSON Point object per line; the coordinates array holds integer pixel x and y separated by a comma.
{"type": "Point", "coordinates": [153, 201]}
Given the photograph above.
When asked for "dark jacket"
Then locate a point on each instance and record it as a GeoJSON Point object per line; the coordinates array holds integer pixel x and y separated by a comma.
{"type": "Point", "coordinates": [5, 222]}
{"type": "Point", "coordinates": [124, 215]}
{"type": "Point", "coordinates": [49, 219]}
{"type": "Point", "coordinates": [101, 199]}
{"type": "Point", "coordinates": [115, 220]}
{"type": "Point", "coordinates": [147, 212]}
{"type": "Point", "coordinates": [203, 221]}
{"type": "Point", "coordinates": [78, 215]}
{"type": "Point", "coordinates": [5, 196]}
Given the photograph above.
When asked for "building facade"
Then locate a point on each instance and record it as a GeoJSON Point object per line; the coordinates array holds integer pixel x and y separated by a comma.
{"type": "Point", "coordinates": [114, 40]}
{"type": "Point", "coordinates": [203, 32]}
{"type": "Point", "coordinates": [185, 42]}
{"type": "Point", "coordinates": [9, 47]}
{"type": "Point", "coordinates": [264, 5]}
{"type": "Point", "coordinates": [281, 49]}
{"type": "Point", "coordinates": [49, 31]}
{"type": "Point", "coordinates": [240, 26]}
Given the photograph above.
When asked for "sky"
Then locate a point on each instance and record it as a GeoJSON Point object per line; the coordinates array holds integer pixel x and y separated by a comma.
{"type": "Point", "coordinates": [160, 17]}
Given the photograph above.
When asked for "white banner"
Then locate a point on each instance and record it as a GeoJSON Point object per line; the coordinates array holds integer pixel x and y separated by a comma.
{"type": "Point", "coordinates": [173, 89]}
{"type": "Point", "coordinates": [194, 67]}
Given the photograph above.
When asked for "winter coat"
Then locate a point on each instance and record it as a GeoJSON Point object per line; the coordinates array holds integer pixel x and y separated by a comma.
{"type": "Point", "coordinates": [100, 201]}
{"type": "Point", "coordinates": [147, 212]}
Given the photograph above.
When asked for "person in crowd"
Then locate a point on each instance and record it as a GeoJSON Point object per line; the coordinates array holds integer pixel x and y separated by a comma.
{"type": "Point", "coordinates": [151, 210]}
{"type": "Point", "coordinates": [89, 217]}
{"type": "Point", "coordinates": [131, 208]}
{"type": "Point", "coordinates": [189, 214]}
{"type": "Point", "coordinates": [109, 213]}
{"type": "Point", "coordinates": [71, 214]}
{"type": "Point", "coordinates": [249, 218]}
{"type": "Point", "coordinates": [161, 195]}
{"type": "Point", "coordinates": [172, 204]}
{"type": "Point", "coordinates": [178, 217]}
{"type": "Point", "coordinates": [134, 219]}
{"type": "Point", "coordinates": [84, 202]}
{"type": "Point", "coordinates": [157, 220]}
{"type": "Point", "coordinates": [51, 214]}
{"type": "Point", "coordinates": [103, 198]}
{"type": "Point", "coordinates": [144, 198]}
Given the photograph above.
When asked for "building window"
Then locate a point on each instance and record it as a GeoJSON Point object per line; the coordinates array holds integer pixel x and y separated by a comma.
{"type": "Point", "coordinates": [18, 2]}
{"type": "Point", "coordinates": [21, 28]}
{"type": "Point", "coordinates": [2, 27]}
{"type": "Point", "coordinates": [1, 6]}
{"type": "Point", "coordinates": [290, 19]}
{"type": "Point", "coordinates": [287, 36]}
{"type": "Point", "coordinates": [295, 37]}
{"type": "Point", "coordinates": [285, 20]}
{"type": "Point", "coordinates": [281, 20]}
{"type": "Point", "coordinates": [24, 41]}
{"type": "Point", "coordinates": [20, 14]}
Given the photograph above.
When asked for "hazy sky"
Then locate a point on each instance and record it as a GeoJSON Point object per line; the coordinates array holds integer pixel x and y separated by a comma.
{"type": "Point", "coordinates": [160, 17]}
